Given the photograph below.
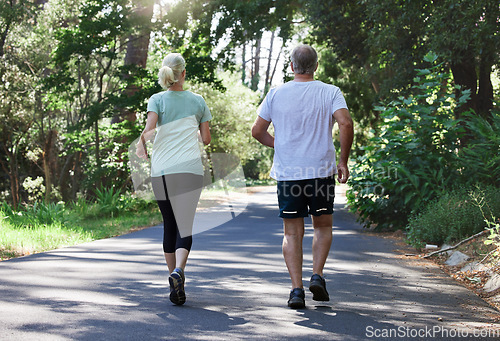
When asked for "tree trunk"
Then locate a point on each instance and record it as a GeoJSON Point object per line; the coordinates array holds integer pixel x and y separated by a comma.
{"type": "Point", "coordinates": [243, 64]}
{"type": "Point", "coordinates": [485, 93]}
{"type": "Point", "coordinates": [14, 181]}
{"type": "Point", "coordinates": [464, 74]}
{"type": "Point", "coordinates": [12, 171]}
{"type": "Point", "coordinates": [63, 182]}
{"type": "Point", "coordinates": [267, 82]}
{"type": "Point", "coordinates": [373, 79]}
{"type": "Point", "coordinates": [3, 37]}
{"type": "Point", "coordinates": [47, 157]}
{"type": "Point", "coordinates": [137, 49]}
{"type": "Point", "coordinates": [276, 63]}
{"type": "Point", "coordinates": [138, 44]}
{"type": "Point", "coordinates": [256, 77]}
{"type": "Point", "coordinates": [76, 174]}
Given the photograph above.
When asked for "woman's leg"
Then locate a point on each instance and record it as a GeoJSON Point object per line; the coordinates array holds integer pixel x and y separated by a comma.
{"type": "Point", "coordinates": [169, 223]}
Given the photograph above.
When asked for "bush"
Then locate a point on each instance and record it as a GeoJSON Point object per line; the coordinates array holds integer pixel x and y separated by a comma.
{"type": "Point", "coordinates": [480, 158]}
{"type": "Point", "coordinates": [31, 216]}
{"type": "Point", "coordinates": [454, 216]}
{"type": "Point", "coordinates": [421, 152]}
{"type": "Point", "coordinates": [109, 203]}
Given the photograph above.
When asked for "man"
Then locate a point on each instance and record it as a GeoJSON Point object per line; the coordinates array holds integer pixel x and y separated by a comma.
{"type": "Point", "coordinates": [303, 112]}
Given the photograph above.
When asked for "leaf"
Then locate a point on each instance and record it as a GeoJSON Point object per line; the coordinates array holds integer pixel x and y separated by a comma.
{"type": "Point", "coordinates": [430, 57]}
{"type": "Point", "coordinates": [423, 72]}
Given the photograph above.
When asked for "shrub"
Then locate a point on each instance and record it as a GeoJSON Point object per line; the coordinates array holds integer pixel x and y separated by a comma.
{"type": "Point", "coordinates": [109, 203]}
{"type": "Point", "coordinates": [480, 158]}
{"type": "Point", "coordinates": [34, 215]}
{"type": "Point", "coordinates": [454, 216]}
{"type": "Point", "coordinates": [421, 152]}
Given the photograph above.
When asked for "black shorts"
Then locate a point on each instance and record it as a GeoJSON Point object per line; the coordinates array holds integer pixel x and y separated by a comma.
{"type": "Point", "coordinates": [299, 198]}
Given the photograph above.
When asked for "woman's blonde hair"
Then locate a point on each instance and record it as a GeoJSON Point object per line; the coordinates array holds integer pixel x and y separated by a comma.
{"type": "Point", "coordinates": [171, 70]}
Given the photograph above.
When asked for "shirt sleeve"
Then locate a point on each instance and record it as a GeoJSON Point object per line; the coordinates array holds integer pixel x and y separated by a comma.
{"type": "Point", "coordinates": [206, 114]}
{"type": "Point", "coordinates": [338, 101]}
{"type": "Point", "coordinates": [264, 109]}
{"type": "Point", "coordinates": [153, 105]}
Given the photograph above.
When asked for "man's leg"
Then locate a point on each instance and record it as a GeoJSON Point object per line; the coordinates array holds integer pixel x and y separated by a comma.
{"type": "Point", "coordinates": [292, 249]}
{"type": "Point", "coordinates": [322, 241]}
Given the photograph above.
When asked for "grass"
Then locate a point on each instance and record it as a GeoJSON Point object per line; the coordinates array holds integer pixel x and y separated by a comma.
{"type": "Point", "coordinates": [40, 227]}
{"type": "Point", "coordinates": [109, 226]}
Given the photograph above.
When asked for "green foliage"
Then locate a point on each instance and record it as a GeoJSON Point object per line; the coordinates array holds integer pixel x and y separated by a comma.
{"type": "Point", "coordinates": [42, 227]}
{"type": "Point", "coordinates": [107, 200]}
{"type": "Point", "coordinates": [357, 89]}
{"type": "Point", "coordinates": [480, 158]}
{"type": "Point", "coordinates": [494, 238]}
{"type": "Point", "coordinates": [108, 203]}
{"type": "Point", "coordinates": [35, 215]}
{"type": "Point", "coordinates": [390, 38]}
{"type": "Point", "coordinates": [18, 240]}
{"type": "Point", "coordinates": [414, 158]}
{"type": "Point", "coordinates": [454, 216]}
{"type": "Point", "coordinates": [186, 29]}
{"type": "Point", "coordinates": [233, 113]}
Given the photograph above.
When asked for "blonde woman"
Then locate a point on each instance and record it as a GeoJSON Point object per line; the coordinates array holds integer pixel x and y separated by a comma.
{"type": "Point", "coordinates": [180, 117]}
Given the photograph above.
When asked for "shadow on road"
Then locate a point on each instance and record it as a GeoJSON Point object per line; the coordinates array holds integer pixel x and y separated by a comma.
{"type": "Point", "coordinates": [237, 288]}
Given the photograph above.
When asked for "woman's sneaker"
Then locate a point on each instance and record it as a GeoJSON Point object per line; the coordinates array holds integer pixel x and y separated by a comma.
{"type": "Point", "coordinates": [297, 298]}
{"type": "Point", "coordinates": [176, 280]}
{"type": "Point", "coordinates": [317, 286]}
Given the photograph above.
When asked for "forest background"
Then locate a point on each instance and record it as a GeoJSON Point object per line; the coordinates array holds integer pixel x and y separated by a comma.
{"type": "Point", "coordinates": [421, 79]}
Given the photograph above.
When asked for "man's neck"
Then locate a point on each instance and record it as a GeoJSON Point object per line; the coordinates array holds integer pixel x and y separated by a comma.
{"type": "Point", "coordinates": [303, 77]}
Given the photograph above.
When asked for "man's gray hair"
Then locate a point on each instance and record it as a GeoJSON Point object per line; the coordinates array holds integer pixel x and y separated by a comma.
{"type": "Point", "coordinates": [304, 59]}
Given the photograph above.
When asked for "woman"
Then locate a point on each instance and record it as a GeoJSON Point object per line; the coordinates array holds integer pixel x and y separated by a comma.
{"type": "Point", "coordinates": [176, 167]}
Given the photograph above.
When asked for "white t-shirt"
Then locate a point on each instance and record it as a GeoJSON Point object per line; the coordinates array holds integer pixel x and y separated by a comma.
{"type": "Point", "coordinates": [176, 148]}
{"type": "Point", "coordinates": [302, 116]}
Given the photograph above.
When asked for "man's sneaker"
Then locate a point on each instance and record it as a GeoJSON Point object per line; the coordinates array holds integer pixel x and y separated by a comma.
{"type": "Point", "coordinates": [297, 298]}
{"type": "Point", "coordinates": [317, 286]}
{"type": "Point", "coordinates": [176, 280]}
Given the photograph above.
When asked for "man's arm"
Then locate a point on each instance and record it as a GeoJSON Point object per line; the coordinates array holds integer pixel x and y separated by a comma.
{"type": "Point", "coordinates": [260, 133]}
{"type": "Point", "coordinates": [346, 133]}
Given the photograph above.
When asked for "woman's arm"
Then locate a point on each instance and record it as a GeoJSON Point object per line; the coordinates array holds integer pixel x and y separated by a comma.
{"type": "Point", "coordinates": [146, 135]}
{"type": "Point", "coordinates": [205, 133]}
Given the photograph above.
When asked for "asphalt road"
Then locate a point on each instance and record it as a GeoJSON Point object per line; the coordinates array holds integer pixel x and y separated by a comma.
{"type": "Point", "coordinates": [237, 289]}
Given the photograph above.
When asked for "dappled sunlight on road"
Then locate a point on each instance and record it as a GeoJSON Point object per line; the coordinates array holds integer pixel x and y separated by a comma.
{"type": "Point", "coordinates": [237, 287]}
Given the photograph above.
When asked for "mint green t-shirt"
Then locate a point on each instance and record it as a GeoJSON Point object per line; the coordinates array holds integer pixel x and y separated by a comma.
{"type": "Point", "coordinates": [176, 148]}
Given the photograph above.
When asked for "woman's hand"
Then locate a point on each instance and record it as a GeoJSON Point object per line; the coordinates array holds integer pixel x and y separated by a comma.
{"type": "Point", "coordinates": [140, 150]}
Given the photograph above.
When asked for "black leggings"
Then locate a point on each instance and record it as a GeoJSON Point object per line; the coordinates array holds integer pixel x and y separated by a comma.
{"type": "Point", "coordinates": [172, 239]}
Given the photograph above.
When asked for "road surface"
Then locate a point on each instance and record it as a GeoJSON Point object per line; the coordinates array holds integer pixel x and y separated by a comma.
{"type": "Point", "coordinates": [237, 289]}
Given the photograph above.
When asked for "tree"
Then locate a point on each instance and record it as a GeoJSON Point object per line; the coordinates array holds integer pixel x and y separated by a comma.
{"type": "Point", "coordinates": [12, 12]}
{"type": "Point", "coordinates": [390, 39]}
{"type": "Point", "coordinates": [86, 61]}
{"type": "Point", "coordinates": [466, 34]}
{"type": "Point", "coordinates": [137, 46]}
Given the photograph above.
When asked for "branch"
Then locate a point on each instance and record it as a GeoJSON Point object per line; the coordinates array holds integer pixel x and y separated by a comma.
{"type": "Point", "coordinates": [454, 247]}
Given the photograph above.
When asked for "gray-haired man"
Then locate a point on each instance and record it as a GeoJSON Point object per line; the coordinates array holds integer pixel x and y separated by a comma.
{"type": "Point", "coordinates": [303, 112]}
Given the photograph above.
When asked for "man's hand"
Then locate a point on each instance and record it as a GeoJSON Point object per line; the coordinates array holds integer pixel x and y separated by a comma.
{"type": "Point", "coordinates": [342, 172]}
